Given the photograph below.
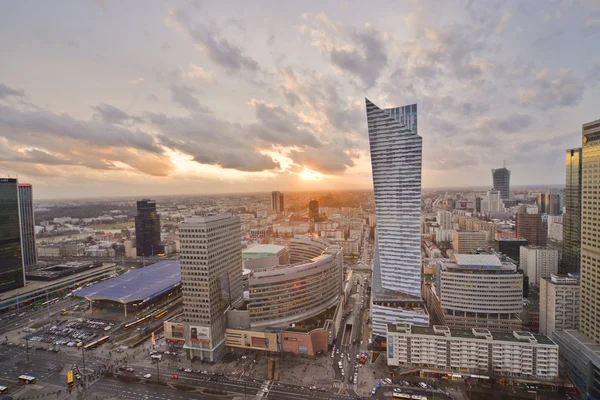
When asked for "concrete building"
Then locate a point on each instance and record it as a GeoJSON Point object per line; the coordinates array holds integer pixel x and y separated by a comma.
{"type": "Point", "coordinates": [515, 354]}
{"type": "Point", "coordinates": [467, 242]}
{"type": "Point", "coordinates": [538, 262]}
{"type": "Point", "coordinates": [265, 255]}
{"type": "Point", "coordinates": [211, 275]}
{"type": "Point", "coordinates": [477, 291]}
{"type": "Point", "coordinates": [501, 182]}
{"type": "Point", "coordinates": [277, 203]}
{"type": "Point", "coordinates": [492, 202]}
{"type": "Point", "coordinates": [531, 227]}
{"type": "Point", "coordinates": [572, 218]}
{"type": "Point", "coordinates": [443, 235]}
{"type": "Point", "coordinates": [555, 227]}
{"type": "Point", "coordinates": [559, 303]}
{"type": "Point", "coordinates": [444, 220]}
{"type": "Point", "coordinates": [396, 152]}
{"type": "Point", "coordinates": [27, 225]}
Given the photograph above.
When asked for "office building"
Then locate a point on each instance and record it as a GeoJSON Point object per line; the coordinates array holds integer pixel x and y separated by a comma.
{"type": "Point", "coordinates": [541, 203]}
{"type": "Point", "coordinates": [277, 202]}
{"type": "Point", "coordinates": [512, 248]}
{"type": "Point", "coordinates": [27, 225]}
{"type": "Point", "coordinates": [477, 291]}
{"type": "Point", "coordinates": [313, 209]}
{"type": "Point", "coordinates": [501, 180]}
{"type": "Point", "coordinates": [396, 152]}
{"type": "Point", "coordinates": [467, 242]}
{"type": "Point", "coordinates": [552, 205]}
{"type": "Point", "coordinates": [532, 228]}
{"type": "Point", "coordinates": [444, 220]}
{"type": "Point", "coordinates": [572, 218]}
{"type": "Point", "coordinates": [492, 202]}
{"type": "Point", "coordinates": [538, 262]}
{"type": "Point", "coordinates": [559, 303]}
{"type": "Point", "coordinates": [147, 229]}
{"type": "Point", "coordinates": [12, 273]}
{"type": "Point", "coordinates": [474, 351]}
{"type": "Point", "coordinates": [211, 277]}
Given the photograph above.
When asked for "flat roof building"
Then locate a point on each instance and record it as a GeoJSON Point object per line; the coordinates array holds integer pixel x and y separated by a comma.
{"type": "Point", "coordinates": [559, 303]}
{"type": "Point", "coordinates": [467, 242]}
{"type": "Point", "coordinates": [538, 262]}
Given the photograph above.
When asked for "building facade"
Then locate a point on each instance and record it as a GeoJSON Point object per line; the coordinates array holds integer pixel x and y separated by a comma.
{"type": "Point", "coordinates": [277, 203]}
{"type": "Point", "coordinates": [12, 273]}
{"type": "Point", "coordinates": [512, 248]}
{"type": "Point", "coordinates": [590, 241]}
{"type": "Point", "coordinates": [211, 277]}
{"type": "Point", "coordinates": [313, 209]}
{"type": "Point", "coordinates": [516, 354]}
{"type": "Point", "coordinates": [501, 180]}
{"type": "Point", "coordinates": [538, 262]}
{"type": "Point", "coordinates": [552, 206]}
{"type": "Point", "coordinates": [147, 229]}
{"type": "Point", "coordinates": [27, 225]}
{"type": "Point", "coordinates": [492, 202]}
{"type": "Point", "coordinates": [467, 242]}
{"type": "Point", "coordinates": [559, 304]}
{"type": "Point", "coordinates": [444, 220]}
{"type": "Point", "coordinates": [396, 153]}
{"type": "Point", "coordinates": [572, 218]}
{"type": "Point", "coordinates": [532, 228]}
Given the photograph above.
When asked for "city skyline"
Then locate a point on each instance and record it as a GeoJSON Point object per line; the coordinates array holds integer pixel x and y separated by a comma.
{"type": "Point", "coordinates": [140, 118]}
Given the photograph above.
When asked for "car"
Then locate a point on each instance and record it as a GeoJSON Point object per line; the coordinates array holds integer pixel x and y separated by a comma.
{"type": "Point", "coordinates": [180, 369]}
{"type": "Point", "coordinates": [174, 376]}
{"type": "Point", "coordinates": [373, 391]}
{"type": "Point", "coordinates": [147, 376]}
{"type": "Point", "coordinates": [219, 374]}
{"type": "Point", "coordinates": [313, 388]}
{"type": "Point", "coordinates": [187, 370]}
{"type": "Point", "coordinates": [332, 354]}
{"type": "Point", "coordinates": [129, 369]}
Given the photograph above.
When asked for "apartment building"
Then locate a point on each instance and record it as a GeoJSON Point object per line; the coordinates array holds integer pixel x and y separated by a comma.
{"type": "Point", "coordinates": [467, 242]}
{"type": "Point", "coordinates": [559, 303]}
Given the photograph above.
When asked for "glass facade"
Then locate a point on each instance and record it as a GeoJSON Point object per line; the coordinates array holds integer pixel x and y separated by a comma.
{"type": "Point", "coordinates": [27, 225]}
{"type": "Point", "coordinates": [501, 178]}
{"type": "Point", "coordinates": [147, 229]}
{"type": "Point", "coordinates": [572, 217]}
{"type": "Point", "coordinates": [11, 258]}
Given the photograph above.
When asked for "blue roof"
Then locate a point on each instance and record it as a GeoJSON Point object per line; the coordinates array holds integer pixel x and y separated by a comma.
{"type": "Point", "coordinates": [137, 284]}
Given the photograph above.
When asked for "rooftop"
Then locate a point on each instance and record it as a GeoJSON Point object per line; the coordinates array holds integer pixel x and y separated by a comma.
{"type": "Point", "coordinates": [263, 250]}
{"type": "Point", "coordinates": [484, 260]}
{"type": "Point", "coordinates": [136, 285]}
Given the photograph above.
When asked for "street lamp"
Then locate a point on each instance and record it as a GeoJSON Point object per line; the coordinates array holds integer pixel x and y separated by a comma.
{"type": "Point", "coordinates": [157, 371]}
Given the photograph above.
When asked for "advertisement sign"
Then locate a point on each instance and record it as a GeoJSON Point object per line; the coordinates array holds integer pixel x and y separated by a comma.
{"type": "Point", "coordinates": [200, 334]}
{"type": "Point", "coordinates": [390, 346]}
{"type": "Point", "coordinates": [177, 330]}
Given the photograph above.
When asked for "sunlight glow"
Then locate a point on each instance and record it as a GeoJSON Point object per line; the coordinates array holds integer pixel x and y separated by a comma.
{"type": "Point", "coordinates": [310, 175]}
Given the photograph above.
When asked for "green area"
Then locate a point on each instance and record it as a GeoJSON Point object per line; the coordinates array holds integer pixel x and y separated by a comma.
{"type": "Point", "coordinates": [114, 225]}
{"type": "Point", "coordinates": [315, 322]}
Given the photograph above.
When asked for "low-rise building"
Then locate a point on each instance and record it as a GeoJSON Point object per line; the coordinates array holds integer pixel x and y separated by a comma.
{"type": "Point", "coordinates": [515, 354]}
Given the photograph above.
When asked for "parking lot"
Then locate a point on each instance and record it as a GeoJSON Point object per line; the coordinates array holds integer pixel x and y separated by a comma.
{"type": "Point", "coordinates": [71, 333]}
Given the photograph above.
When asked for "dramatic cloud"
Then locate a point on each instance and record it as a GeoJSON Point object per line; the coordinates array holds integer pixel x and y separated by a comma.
{"type": "Point", "coordinates": [112, 115]}
{"type": "Point", "coordinates": [196, 72]}
{"type": "Point", "coordinates": [6, 92]}
{"type": "Point", "coordinates": [328, 160]}
{"type": "Point", "coordinates": [185, 97]}
{"type": "Point", "coordinates": [546, 92]}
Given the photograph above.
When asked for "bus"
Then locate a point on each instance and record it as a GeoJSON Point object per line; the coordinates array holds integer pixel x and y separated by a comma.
{"type": "Point", "coordinates": [3, 389]}
{"type": "Point", "coordinates": [398, 395]}
{"type": "Point", "coordinates": [160, 314]}
{"type": "Point", "coordinates": [138, 322]}
{"type": "Point", "coordinates": [27, 379]}
{"type": "Point", "coordinates": [96, 343]}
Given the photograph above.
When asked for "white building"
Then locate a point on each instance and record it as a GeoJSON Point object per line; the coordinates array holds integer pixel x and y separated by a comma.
{"type": "Point", "coordinates": [492, 202]}
{"type": "Point", "coordinates": [444, 219]}
{"type": "Point", "coordinates": [559, 303]}
{"type": "Point", "coordinates": [443, 235]}
{"type": "Point", "coordinates": [517, 354]}
{"type": "Point", "coordinates": [555, 227]}
{"type": "Point", "coordinates": [538, 262]}
{"type": "Point", "coordinates": [211, 281]}
{"type": "Point", "coordinates": [396, 156]}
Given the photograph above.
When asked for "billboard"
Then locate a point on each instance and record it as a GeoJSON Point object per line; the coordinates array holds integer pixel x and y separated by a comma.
{"type": "Point", "coordinates": [200, 334]}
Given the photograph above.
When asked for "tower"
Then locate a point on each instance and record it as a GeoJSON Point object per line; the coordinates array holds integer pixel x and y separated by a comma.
{"type": "Point", "coordinates": [572, 217]}
{"type": "Point", "coordinates": [27, 225]}
{"type": "Point", "coordinates": [277, 204]}
{"type": "Point", "coordinates": [147, 229]}
{"type": "Point", "coordinates": [313, 209]}
{"type": "Point", "coordinates": [12, 273]}
{"type": "Point", "coordinates": [501, 180]}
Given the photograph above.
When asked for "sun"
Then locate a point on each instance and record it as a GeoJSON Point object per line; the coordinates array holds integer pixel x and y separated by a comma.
{"type": "Point", "coordinates": [310, 175]}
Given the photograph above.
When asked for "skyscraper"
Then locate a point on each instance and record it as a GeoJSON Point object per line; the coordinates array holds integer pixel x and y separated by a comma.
{"type": "Point", "coordinates": [501, 179]}
{"type": "Point", "coordinates": [277, 202]}
{"type": "Point", "coordinates": [27, 225]}
{"type": "Point", "coordinates": [12, 273]}
{"type": "Point", "coordinates": [211, 281]}
{"type": "Point", "coordinates": [313, 209]}
{"type": "Point", "coordinates": [147, 229]}
{"type": "Point", "coordinates": [572, 217]}
{"type": "Point", "coordinates": [590, 242]}
{"type": "Point", "coordinates": [532, 228]}
{"type": "Point", "coordinates": [552, 206]}
{"type": "Point", "coordinates": [396, 151]}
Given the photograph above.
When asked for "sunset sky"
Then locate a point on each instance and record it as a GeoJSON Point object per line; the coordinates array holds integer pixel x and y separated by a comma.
{"type": "Point", "coordinates": [131, 98]}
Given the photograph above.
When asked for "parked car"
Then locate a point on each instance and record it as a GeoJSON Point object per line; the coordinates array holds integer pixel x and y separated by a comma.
{"type": "Point", "coordinates": [175, 377]}
{"type": "Point", "coordinates": [147, 376]}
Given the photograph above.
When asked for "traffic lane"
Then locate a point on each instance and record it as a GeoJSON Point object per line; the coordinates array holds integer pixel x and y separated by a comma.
{"type": "Point", "coordinates": [107, 388]}
{"type": "Point", "coordinates": [278, 393]}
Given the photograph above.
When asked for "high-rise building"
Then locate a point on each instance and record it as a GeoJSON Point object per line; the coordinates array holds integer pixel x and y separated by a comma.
{"type": "Point", "coordinates": [552, 205]}
{"type": "Point", "coordinates": [211, 281]}
{"type": "Point", "coordinates": [313, 209]}
{"type": "Point", "coordinates": [277, 202]}
{"type": "Point", "coordinates": [559, 303]}
{"type": "Point", "coordinates": [541, 203]}
{"type": "Point", "coordinates": [444, 219]}
{"type": "Point", "coordinates": [492, 202]}
{"type": "Point", "coordinates": [538, 262]}
{"type": "Point", "coordinates": [27, 225]}
{"type": "Point", "coordinates": [12, 273]}
{"type": "Point", "coordinates": [512, 248]}
{"type": "Point", "coordinates": [467, 242]}
{"type": "Point", "coordinates": [590, 242]}
{"type": "Point", "coordinates": [572, 217]}
{"type": "Point", "coordinates": [532, 228]}
{"type": "Point", "coordinates": [501, 179]}
{"type": "Point", "coordinates": [396, 151]}
{"type": "Point", "coordinates": [147, 229]}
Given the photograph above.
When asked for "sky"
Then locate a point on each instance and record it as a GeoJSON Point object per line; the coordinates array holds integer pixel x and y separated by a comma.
{"type": "Point", "coordinates": [135, 98]}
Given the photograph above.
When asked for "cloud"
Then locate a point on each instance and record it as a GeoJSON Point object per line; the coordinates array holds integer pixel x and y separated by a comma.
{"type": "Point", "coordinates": [112, 115]}
{"type": "Point", "coordinates": [328, 160]}
{"type": "Point", "coordinates": [547, 92]}
{"type": "Point", "coordinates": [197, 72]}
{"type": "Point", "coordinates": [6, 92]}
{"type": "Point", "coordinates": [137, 81]}
{"type": "Point", "coordinates": [218, 49]}
{"type": "Point", "coordinates": [511, 124]}
{"type": "Point", "coordinates": [594, 73]}
{"type": "Point", "coordinates": [504, 21]}
{"type": "Point", "coordinates": [592, 25]}
{"type": "Point", "coordinates": [184, 96]}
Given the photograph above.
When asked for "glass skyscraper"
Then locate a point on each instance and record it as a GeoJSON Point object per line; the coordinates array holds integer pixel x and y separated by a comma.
{"type": "Point", "coordinates": [572, 217]}
{"type": "Point", "coordinates": [147, 229]}
{"type": "Point", "coordinates": [27, 224]}
{"type": "Point", "coordinates": [501, 178]}
{"type": "Point", "coordinates": [396, 151]}
{"type": "Point", "coordinates": [12, 274]}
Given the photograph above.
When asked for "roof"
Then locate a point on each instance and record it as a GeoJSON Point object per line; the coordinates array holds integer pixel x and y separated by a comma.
{"type": "Point", "coordinates": [263, 250]}
{"type": "Point", "coordinates": [488, 260]}
{"type": "Point", "coordinates": [138, 284]}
